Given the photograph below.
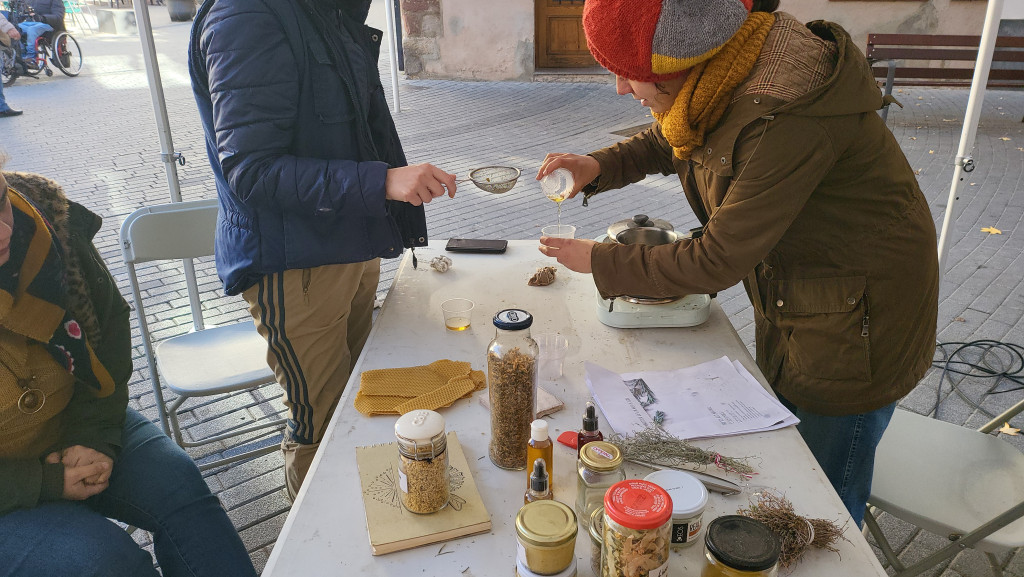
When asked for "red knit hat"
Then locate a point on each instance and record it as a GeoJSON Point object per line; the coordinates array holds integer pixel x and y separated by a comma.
{"type": "Point", "coordinates": [655, 40]}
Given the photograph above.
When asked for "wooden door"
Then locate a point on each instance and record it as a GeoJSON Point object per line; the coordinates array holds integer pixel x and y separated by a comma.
{"type": "Point", "coordinates": [560, 40]}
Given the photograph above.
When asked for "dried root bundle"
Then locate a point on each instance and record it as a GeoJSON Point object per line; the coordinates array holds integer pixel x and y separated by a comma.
{"type": "Point", "coordinates": [655, 445]}
{"type": "Point", "coordinates": [795, 532]}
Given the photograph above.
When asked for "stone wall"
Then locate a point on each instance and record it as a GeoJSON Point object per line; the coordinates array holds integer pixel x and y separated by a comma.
{"type": "Point", "coordinates": [468, 39]}
{"type": "Point", "coordinates": [494, 39]}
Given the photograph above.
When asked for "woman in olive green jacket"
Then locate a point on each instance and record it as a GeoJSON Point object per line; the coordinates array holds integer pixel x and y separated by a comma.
{"type": "Point", "coordinates": [804, 195]}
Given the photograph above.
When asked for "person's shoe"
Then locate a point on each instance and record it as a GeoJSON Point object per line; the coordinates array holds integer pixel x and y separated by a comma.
{"type": "Point", "coordinates": [10, 112]}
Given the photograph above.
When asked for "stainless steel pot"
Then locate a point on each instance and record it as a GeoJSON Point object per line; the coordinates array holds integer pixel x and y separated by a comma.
{"type": "Point", "coordinates": [642, 229]}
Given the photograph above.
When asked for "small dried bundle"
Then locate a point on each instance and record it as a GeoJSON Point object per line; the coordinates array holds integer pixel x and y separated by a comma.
{"type": "Point", "coordinates": [543, 277]}
{"type": "Point", "coordinates": [796, 533]}
{"type": "Point", "coordinates": [658, 446]}
{"type": "Point", "coordinates": [441, 263]}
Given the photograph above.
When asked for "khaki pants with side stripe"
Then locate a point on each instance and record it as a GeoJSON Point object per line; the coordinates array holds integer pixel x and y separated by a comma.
{"type": "Point", "coordinates": [315, 322]}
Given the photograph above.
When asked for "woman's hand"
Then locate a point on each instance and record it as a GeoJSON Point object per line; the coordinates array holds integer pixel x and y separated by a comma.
{"type": "Point", "coordinates": [76, 484]}
{"type": "Point", "coordinates": [584, 169]}
{"type": "Point", "coordinates": [573, 254]}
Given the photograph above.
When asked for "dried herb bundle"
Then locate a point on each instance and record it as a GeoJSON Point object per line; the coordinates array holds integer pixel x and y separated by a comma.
{"type": "Point", "coordinates": [795, 532]}
{"type": "Point", "coordinates": [655, 445]}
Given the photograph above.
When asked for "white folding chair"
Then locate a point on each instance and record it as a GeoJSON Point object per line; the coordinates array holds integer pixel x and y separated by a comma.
{"type": "Point", "coordinates": [207, 361]}
{"type": "Point", "coordinates": [951, 481]}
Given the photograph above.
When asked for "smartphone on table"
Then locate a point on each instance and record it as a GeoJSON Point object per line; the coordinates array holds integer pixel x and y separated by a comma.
{"type": "Point", "coordinates": [477, 245]}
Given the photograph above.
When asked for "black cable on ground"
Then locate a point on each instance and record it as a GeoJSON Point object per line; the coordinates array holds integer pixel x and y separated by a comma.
{"type": "Point", "coordinates": [985, 359]}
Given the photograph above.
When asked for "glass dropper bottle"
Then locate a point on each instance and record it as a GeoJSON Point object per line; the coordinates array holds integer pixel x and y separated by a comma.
{"type": "Point", "coordinates": [589, 432]}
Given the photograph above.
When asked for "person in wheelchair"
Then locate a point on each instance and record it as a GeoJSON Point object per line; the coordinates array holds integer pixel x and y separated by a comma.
{"type": "Point", "coordinates": [49, 12]}
{"type": "Point", "coordinates": [8, 35]}
{"type": "Point", "coordinates": [44, 18]}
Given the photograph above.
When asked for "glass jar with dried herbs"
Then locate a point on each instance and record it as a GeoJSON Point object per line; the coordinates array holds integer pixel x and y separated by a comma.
{"type": "Point", "coordinates": [637, 527]}
{"type": "Point", "coordinates": [599, 467]}
{"type": "Point", "coordinates": [423, 478]}
{"type": "Point", "coordinates": [512, 387]}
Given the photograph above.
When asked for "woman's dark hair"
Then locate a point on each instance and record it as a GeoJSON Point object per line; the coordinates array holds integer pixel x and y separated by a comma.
{"type": "Point", "coordinates": [765, 6]}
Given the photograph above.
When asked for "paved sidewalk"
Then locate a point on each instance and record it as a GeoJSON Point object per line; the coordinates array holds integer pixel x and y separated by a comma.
{"type": "Point", "coordinates": [96, 135]}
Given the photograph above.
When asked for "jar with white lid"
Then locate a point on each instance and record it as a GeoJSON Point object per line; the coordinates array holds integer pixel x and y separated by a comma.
{"type": "Point", "coordinates": [637, 523]}
{"type": "Point", "coordinates": [423, 478]}
{"type": "Point", "coordinates": [689, 498]}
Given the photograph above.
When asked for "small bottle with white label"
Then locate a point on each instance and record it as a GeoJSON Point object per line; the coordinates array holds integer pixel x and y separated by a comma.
{"type": "Point", "coordinates": [423, 479]}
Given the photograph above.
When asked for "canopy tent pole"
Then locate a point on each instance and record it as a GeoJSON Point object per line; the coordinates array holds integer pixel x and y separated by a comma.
{"type": "Point", "coordinates": [964, 161]}
{"type": "Point", "coordinates": [167, 154]}
{"type": "Point", "coordinates": [393, 52]}
{"type": "Point", "coordinates": [156, 91]}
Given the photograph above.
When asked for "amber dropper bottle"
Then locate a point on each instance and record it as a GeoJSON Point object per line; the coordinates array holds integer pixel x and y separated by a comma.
{"type": "Point", "coordinates": [540, 447]}
{"type": "Point", "coordinates": [539, 487]}
{"type": "Point", "coordinates": [589, 432]}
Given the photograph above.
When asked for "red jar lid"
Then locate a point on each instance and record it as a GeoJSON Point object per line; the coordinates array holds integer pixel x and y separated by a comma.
{"type": "Point", "coordinates": [638, 504]}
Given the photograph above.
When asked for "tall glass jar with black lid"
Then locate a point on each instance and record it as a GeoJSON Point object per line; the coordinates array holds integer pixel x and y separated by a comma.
{"type": "Point", "coordinates": [512, 387]}
{"type": "Point", "coordinates": [738, 546]}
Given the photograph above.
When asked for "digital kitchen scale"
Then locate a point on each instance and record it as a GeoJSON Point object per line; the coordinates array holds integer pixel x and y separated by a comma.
{"type": "Point", "coordinates": [688, 311]}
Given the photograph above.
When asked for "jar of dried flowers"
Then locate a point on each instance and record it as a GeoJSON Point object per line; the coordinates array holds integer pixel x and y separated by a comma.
{"type": "Point", "coordinates": [637, 527]}
{"type": "Point", "coordinates": [512, 387]}
{"type": "Point", "coordinates": [423, 479]}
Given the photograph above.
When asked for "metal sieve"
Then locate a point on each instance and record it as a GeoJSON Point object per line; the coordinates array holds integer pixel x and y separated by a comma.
{"type": "Point", "coordinates": [495, 179]}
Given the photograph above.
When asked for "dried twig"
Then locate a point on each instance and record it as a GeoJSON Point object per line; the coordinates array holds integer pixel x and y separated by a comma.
{"type": "Point", "coordinates": [655, 445]}
{"type": "Point", "coordinates": [796, 533]}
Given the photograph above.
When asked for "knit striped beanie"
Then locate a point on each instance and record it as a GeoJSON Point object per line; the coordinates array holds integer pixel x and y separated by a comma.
{"type": "Point", "coordinates": [655, 40]}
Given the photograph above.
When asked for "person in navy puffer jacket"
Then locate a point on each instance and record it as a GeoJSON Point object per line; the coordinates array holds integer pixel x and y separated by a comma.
{"type": "Point", "coordinates": [313, 184]}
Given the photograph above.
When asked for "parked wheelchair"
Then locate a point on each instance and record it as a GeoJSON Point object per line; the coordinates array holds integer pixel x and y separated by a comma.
{"type": "Point", "coordinates": [60, 50]}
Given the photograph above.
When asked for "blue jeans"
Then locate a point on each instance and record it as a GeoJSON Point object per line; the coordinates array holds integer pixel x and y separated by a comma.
{"type": "Point", "coordinates": [154, 485]}
{"type": "Point", "coordinates": [845, 450]}
{"type": "Point", "coordinates": [32, 31]}
{"type": "Point", "coordinates": [3, 101]}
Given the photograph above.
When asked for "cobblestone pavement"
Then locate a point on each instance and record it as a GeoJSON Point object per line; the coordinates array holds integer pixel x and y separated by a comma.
{"type": "Point", "coordinates": [96, 135]}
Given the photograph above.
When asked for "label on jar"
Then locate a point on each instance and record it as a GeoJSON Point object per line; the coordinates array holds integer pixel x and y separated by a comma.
{"type": "Point", "coordinates": [685, 531]}
{"type": "Point", "coordinates": [403, 481]}
{"type": "Point", "coordinates": [659, 571]}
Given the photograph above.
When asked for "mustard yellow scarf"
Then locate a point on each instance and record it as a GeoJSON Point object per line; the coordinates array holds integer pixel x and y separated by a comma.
{"type": "Point", "coordinates": [705, 93]}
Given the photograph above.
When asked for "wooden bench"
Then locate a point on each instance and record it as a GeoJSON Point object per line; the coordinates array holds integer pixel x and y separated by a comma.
{"type": "Point", "coordinates": [889, 54]}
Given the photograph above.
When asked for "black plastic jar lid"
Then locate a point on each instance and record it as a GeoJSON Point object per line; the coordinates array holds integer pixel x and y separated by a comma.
{"type": "Point", "coordinates": [513, 320]}
{"type": "Point", "coordinates": [742, 543]}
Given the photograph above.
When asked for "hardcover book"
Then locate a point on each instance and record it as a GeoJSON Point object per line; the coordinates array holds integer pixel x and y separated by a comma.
{"type": "Point", "coordinates": [391, 527]}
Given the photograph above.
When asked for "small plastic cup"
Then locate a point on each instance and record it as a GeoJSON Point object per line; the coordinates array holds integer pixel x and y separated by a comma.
{"type": "Point", "coordinates": [553, 348]}
{"type": "Point", "coordinates": [457, 314]}
{"type": "Point", "coordinates": [559, 231]}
